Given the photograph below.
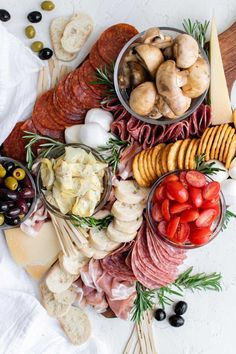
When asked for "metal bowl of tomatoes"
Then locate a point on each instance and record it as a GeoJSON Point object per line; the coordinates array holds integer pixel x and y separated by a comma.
{"type": "Point", "coordinates": [186, 209]}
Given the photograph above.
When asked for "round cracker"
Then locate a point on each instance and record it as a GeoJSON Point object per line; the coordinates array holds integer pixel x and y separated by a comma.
{"type": "Point", "coordinates": [182, 153]}
{"type": "Point", "coordinates": [154, 156]}
{"type": "Point", "coordinates": [231, 153]}
{"type": "Point", "coordinates": [228, 142]}
{"type": "Point", "coordinates": [221, 137]}
{"type": "Point", "coordinates": [165, 157]}
{"type": "Point", "coordinates": [211, 141]}
{"type": "Point", "coordinates": [205, 141]}
{"type": "Point", "coordinates": [192, 162]}
{"type": "Point", "coordinates": [151, 171]}
{"type": "Point", "coordinates": [223, 144]}
{"type": "Point", "coordinates": [201, 141]}
{"type": "Point", "coordinates": [135, 167]}
{"type": "Point", "coordinates": [215, 141]}
{"type": "Point", "coordinates": [142, 167]}
{"type": "Point", "coordinates": [145, 164]}
{"type": "Point", "coordinates": [234, 117]}
{"type": "Point", "coordinates": [172, 158]}
{"type": "Point", "coordinates": [159, 168]}
{"type": "Point", "coordinates": [188, 153]}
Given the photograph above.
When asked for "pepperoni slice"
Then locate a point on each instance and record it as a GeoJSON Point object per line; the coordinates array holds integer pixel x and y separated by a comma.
{"type": "Point", "coordinates": [95, 58]}
{"type": "Point", "coordinates": [89, 76]}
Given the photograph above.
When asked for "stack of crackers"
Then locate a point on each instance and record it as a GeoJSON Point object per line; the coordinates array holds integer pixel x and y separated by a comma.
{"type": "Point", "coordinates": [218, 143]}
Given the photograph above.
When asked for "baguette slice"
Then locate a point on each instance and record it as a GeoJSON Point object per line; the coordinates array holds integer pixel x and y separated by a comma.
{"type": "Point", "coordinates": [131, 226]}
{"type": "Point", "coordinates": [72, 264]}
{"type": "Point", "coordinates": [53, 307]}
{"type": "Point", "coordinates": [67, 297]}
{"type": "Point", "coordinates": [76, 33]}
{"type": "Point", "coordinates": [58, 280]}
{"type": "Point", "coordinates": [129, 192]}
{"type": "Point", "coordinates": [99, 240]}
{"type": "Point", "coordinates": [56, 32]}
{"type": "Point", "coordinates": [126, 212]}
{"type": "Point", "coordinates": [76, 325]}
{"type": "Point", "coordinates": [118, 236]}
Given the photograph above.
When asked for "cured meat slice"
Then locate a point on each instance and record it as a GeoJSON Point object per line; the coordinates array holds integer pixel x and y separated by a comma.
{"type": "Point", "coordinates": [95, 58]}
{"type": "Point", "coordinates": [89, 76]}
{"type": "Point", "coordinates": [84, 85]}
{"type": "Point", "coordinates": [113, 39]}
{"type": "Point", "coordinates": [14, 145]}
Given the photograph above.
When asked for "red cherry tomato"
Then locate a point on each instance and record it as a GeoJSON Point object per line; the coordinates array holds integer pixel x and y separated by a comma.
{"type": "Point", "coordinates": [182, 178]}
{"type": "Point", "coordinates": [211, 190]}
{"type": "Point", "coordinates": [200, 236]}
{"type": "Point", "coordinates": [156, 212]}
{"type": "Point", "coordinates": [182, 233]}
{"type": "Point", "coordinates": [160, 194]}
{"type": "Point", "coordinates": [196, 179]}
{"type": "Point", "coordinates": [196, 196]}
{"type": "Point", "coordinates": [217, 209]}
{"type": "Point", "coordinates": [209, 204]}
{"type": "Point", "coordinates": [170, 178]}
{"type": "Point", "coordinates": [206, 218]}
{"type": "Point", "coordinates": [189, 215]}
{"type": "Point", "coordinates": [179, 207]}
{"type": "Point", "coordinates": [165, 209]}
{"type": "Point", "coordinates": [172, 227]}
{"type": "Point", "coordinates": [162, 227]}
{"type": "Point", "coordinates": [177, 191]}
{"type": "Point", "coordinates": [169, 196]}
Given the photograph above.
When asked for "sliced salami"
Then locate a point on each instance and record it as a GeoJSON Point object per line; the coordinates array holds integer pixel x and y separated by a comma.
{"type": "Point", "coordinates": [14, 145]}
{"type": "Point", "coordinates": [95, 58]}
{"type": "Point", "coordinates": [83, 83]}
{"type": "Point", "coordinates": [89, 77]}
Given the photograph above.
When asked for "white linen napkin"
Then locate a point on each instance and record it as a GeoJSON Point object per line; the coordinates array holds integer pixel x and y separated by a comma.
{"type": "Point", "coordinates": [19, 69]}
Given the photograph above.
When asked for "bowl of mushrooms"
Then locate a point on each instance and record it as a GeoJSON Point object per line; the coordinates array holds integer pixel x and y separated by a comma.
{"type": "Point", "coordinates": [161, 75]}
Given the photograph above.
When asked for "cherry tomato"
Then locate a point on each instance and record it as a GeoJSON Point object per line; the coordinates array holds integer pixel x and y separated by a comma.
{"type": "Point", "coordinates": [182, 178]}
{"type": "Point", "coordinates": [182, 233]}
{"type": "Point", "coordinates": [156, 212]}
{"type": "Point", "coordinates": [208, 204]}
{"type": "Point", "coordinates": [196, 196]}
{"type": "Point", "coordinates": [206, 218]}
{"type": "Point", "coordinates": [160, 194]}
{"type": "Point", "coordinates": [170, 178]}
{"type": "Point", "coordinates": [161, 228]}
{"type": "Point", "coordinates": [179, 207]}
{"type": "Point", "coordinates": [169, 196]}
{"type": "Point", "coordinates": [217, 209]}
{"type": "Point", "coordinates": [211, 190]}
{"type": "Point", "coordinates": [196, 179]}
{"type": "Point", "coordinates": [172, 227]}
{"type": "Point", "coordinates": [200, 236]}
{"type": "Point", "coordinates": [189, 215]}
{"type": "Point", "coordinates": [177, 191]}
{"type": "Point", "coordinates": [165, 209]}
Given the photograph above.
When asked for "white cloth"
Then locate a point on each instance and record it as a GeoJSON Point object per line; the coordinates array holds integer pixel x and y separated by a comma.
{"type": "Point", "coordinates": [19, 69]}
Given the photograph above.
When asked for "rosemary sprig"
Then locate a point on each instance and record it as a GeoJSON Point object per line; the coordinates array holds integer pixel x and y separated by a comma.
{"type": "Point", "coordinates": [91, 222]}
{"type": "Point", "coordinates": [206, 167]}
{"type": "Point", "coordinates": [112, 151]}
{"type": "Point", "coordinates": [227, 217]}
{"type": "Point", "coordinates": [104, 76]}
{"type": "Point", "coordinates": [45, 147]}
{"type": "Point", "coordinates": [145, 298]}
{"type": "Point", "coordinates": [197, 30]}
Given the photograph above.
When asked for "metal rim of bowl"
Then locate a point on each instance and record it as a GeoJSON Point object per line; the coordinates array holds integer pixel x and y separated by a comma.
{"type": "Point", "coordinates": [189, 246]}
{"type": "Point", "coordinates": [5, 226]}
{"type": "Point", "coordinates": [160, 121]}
{"type": "Point", "coordinates": [105, 194]}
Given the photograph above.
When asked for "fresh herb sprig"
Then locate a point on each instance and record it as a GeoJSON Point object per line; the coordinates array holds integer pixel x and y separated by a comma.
{"type": "Point", "coordinates": [104, 76]}
{"type": "Point", "coordinates": [45, 147]}
{"type": "Point", "coordinates": [206, 168]}
{"type": "Point", "coordinates": [146, 298]}
{"type": "Point", "coordinates": [227, 217]}
{"type": "Point", "coordinates": [197, 30]}
{"type": "Point", "coordinates": [91, 222]}
{"type": "Point", "coordinates": [112, 151]}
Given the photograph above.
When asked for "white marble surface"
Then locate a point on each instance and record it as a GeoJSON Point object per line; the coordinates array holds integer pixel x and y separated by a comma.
{"type": "Point", "coordinates": [210, 320]}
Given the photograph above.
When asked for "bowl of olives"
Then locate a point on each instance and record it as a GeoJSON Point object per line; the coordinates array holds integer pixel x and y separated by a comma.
{"type": "Point", "coordinates": [17, 193]}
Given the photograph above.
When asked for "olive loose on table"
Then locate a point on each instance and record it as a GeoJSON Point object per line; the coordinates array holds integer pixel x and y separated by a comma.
{"type": "Point", "coordinates": [45, 53]}
{"type": "Point", "coordinates": [34, 16]}
{"type": "Point", "coordinates": [30, 32]}
{"type": "Point", "coordinates": [4, 15]}
{"type": "Point", "coordinates": [180, 308]}
{"type": "Point", "coordinates": [47, 5]}
{"type": "Point", "coordinates": [37, 46]}
{"type": "Point", "coordinates": [176, 321]}
{"type": "Point", "coordinates": [160, 315]}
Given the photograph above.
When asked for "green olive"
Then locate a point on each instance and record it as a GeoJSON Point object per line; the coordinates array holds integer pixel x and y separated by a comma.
{"type": "Point", "coordinates": [19, 174]}
{"type": "Point", "coordinates": [37, 46]}
{"type": "Point", "coordinates": [2, 219]}
{"type": "Point", "coordinates": [30, 31]}
{"type": "Point", "coordinates": [47, 5]}
{"type": "Point", "coordinates": [11, 183]}
{"type": "Point", "coordinates": [2, 171]}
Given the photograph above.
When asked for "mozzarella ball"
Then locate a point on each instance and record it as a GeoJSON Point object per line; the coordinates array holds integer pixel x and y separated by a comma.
{"type": "Point", "coordinates": [101, 117]}
{"type": "Point", "coordinates": [228, 189]}
{"type": "Point", "coordinates": [232, 169]}
{"type": "Point", "coordinates": [219, 176]}
{"type": "Point", "coordinates": [72, 133]}
{"type": "Point", "coordinates": [93, 135]}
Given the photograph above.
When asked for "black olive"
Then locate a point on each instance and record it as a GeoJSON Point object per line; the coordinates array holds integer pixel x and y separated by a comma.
{"type": "Point", "coordinates": [176, 321]}
{"type": "Point", "coordinates": [4, 206]}
{"type": "Point", "coordinates": [181, 307]}
{"type": "Point", "coordinates": [13, 212]}
{"type": "Point", "coordinates": [4, 15]}
{"type": "Point", "coordinates": [12, 221]}
{"type": "Point", "coordinates": [6, 194]}
{"type": "Point", "coordinates": [34, 16]}
{"type": "Point", "coordinates": [9, 166]}
{"type": "Point", "coordinates": [45, 53]}
{"type": "Point", "coordinates": [160, 315]}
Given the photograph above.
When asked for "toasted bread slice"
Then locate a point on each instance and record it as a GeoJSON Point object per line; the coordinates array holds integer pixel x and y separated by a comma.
{"type": "Point", "coordinates": [53, 307]}
{"type": "Point", "coordinates": [58, 280]}
{"type": "Point", "coordinates": [67, 297]}
{"type": "Point", "coordinates": [73, 264]}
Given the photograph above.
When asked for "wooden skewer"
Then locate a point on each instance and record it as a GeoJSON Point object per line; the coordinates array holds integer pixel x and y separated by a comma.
{"type": "Point", "coordinates": [78, 240]}
{"type": "Point", "coordinates": [141, 339]}
{"type": "Point", "coordinates": [64, 250]}
{"type": "Point", "coordinates": [66, 236]}
{"type": "Point", "coordinates": [130, 342]}
{"type": "Point", "coordinates": [81, 234]}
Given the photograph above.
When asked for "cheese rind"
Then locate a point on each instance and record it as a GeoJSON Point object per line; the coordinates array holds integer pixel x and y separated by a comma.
{"type": "Point", "coordinates": [219, 95]}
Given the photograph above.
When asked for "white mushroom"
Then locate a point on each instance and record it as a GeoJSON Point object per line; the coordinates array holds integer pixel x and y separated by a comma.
{"type": "Point", "coordinates": [185, 50]}
{"type": "Point", "coordinates": [150, 56]}
{"type": "Point", "coordinates": [142, 98]}
{"type": "Point", "coordinates": [155, 37]}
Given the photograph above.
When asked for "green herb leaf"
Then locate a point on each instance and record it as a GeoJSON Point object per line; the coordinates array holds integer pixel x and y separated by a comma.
{"type": "Point", "coordinates": [105, 77]}
{"type": "Point", "coordinates": [91, 222]}
{"type": "Point", "coordinates": [144, 301]}
{"type": "Point", "coordinates": [112, 151]}
{"type": "Point", "coordinates": [197, 30]}
{"type": "Point", "coordinates": [206, 168]}
{"type": "Point", "coordinates": [227, 217]}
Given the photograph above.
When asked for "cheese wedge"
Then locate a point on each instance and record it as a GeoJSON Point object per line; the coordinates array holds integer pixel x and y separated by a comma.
{"type": "Point", "coordinates": [219, 95]}
{"type": "Point", "coordinates": [35, 253]}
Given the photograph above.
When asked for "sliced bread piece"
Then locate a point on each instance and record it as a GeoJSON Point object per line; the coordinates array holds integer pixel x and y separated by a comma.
{"type": "Point", "coordinates": [67, 297]}
{"type": "Point", "coordinates": [58, 280]}
{"type": "Point", "coordinates": [129, 192]}
{"type": "Point", "coordinates": [131, 226]}
{"type": "Point", "coordinates": [99, 240]}
{"type": "Point", "coordinates": [73, 264]}
{"type": "Point", "coordinates": [118, 236]}
{"type": "Point", "coordinates": [76, 325]}
{"type": "Point", "coordinates": [56, 32]}
{"type": "Point", "coordinates": [53, 307]}
{"type": "Point", "coordinates": [126, 212]}
{"type": "Point", "coordinates": [76, 33]}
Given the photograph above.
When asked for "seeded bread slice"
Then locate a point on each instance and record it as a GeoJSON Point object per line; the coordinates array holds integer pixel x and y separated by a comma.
{"type": "Point", "coordinates": [58, 280]}
{"type": "Point", "coordinates": [76, 325]}
{"type": "Point", "coordinates": [53, 307]}
{"type": "Point", "coordinates": [67, 297]}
